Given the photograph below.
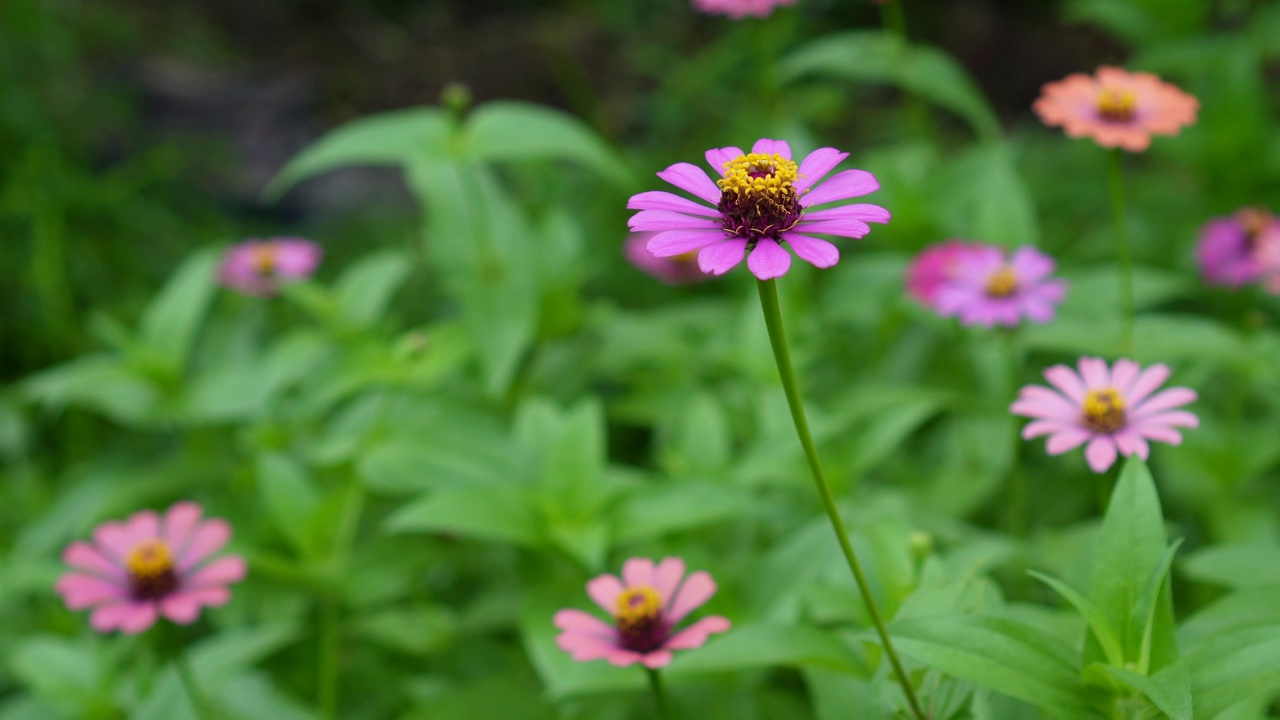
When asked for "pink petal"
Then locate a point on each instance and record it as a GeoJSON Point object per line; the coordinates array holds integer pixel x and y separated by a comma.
{"type": "Point", "coordinates": [1041, 402]}
{"type": "Point", "coordinates": [181, 519]}
{"type": "Point", "coordinates": [696, 590]}
{"type": "Point", "coordinates": [1131, 443]}
{"type": "Point", "coordinates": [1030, 264]}
{"type": "Point", "coordinates": [1159, 433]}
{"type": "Point", "coordinates": [623, 658]}
{"type": "Point", "coordinates": [588, 647]}
{"type": "Point", "coordinates": [1150, 379]}
{"type": "Point", "coordinates": [296, 258]}
{"type": "Point", "coordinates": [1065, 440]}
{"type": "Point", "coordinates": [816, 165]}
{"type": "Point", "coordinates": [1100, 453]}
{"type": "Point", "coordinates": [223, 571]}
{"type": "Point", "coordinates": [841, 186]}
{"type": "Point", "coordinates": [115, 539]}
{"type": "Point", "coordinates": [1066, 380]}
{"type": "Point", "coordinates": [581, 623]}
{"type": "Point", "coordinates": [696, 634]}
{"type": "Point", "coordinates": [637, 572]}
{"type": "Point", "coordinates": [658, 220]}
{"type": "Point", "coordinates": [1177, 418]}
{"type": "Point", "coordinates": [605, 590]}
{"type": "Point", "coordinates": [205, 540]}
{"type": "Point", "coordinates": [1037, 428]}
{"type": "Point", "coordinates": [666, 577]}
{"type": "Point", "coordinates": [656, 659]}
{"type": "Point", "coordinates": [717, 157]}
{"type": "Point", "coordinates": [692, 179]}
{"type": "Point", "coordinates": [722, 257]}
{"type": "Point", "coordinates": [679, 242]}
{"type": "Point", "coordinates": [84, 556]}
{"type": "Point", "coordinates": [769, 260]}
{"type": "Point", "coordinates": [1095, 372]}
{"type": "Point", "coordinates": [1123, 373]}
{"type": "Point", "coordinates": [843, 228]}
{"type": "Point", "coordinates": [1174, 397]}
{"type": "Point", "coordinates": [858, 211]}
{"type": "Point", "coordinates": [184, 607]}
{"type": "Point", "coordinates": [662, 200]}
{"type": "Point", "coordinates": [81, 591]}
{"type": "Point", "coordinates": [142, 526]}
{"type": "Point", "coordinates": [817, 252]}
{"type": "Point", "coordinates": [130, 618]}
{"type": "Point", "coordinates": [769, 147]}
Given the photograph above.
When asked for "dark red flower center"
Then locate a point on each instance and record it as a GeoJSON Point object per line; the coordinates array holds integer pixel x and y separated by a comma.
{"type": "Point", "coordinates": [151, 573]}
{"type": "Point", "coordinates": [758, 198]}
{"type": "Point", "coordinates": [641, 626]}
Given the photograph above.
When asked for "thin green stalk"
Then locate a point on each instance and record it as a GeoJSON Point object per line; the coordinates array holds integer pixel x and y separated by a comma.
{"type": "Point", "coordinates": [659, 693]}
{"type": "Point", "coordinates": [778, 338]}
{"type": "Point", "coordinates": [204, 711]}
{"type": "Point", "coordinates": [1127, 313]}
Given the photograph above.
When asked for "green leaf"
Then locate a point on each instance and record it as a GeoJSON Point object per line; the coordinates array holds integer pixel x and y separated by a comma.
{"type": "Point", "coordinates": [982, 195]}
{"type": "Point", "coordinates": [1169, 689]}
{"type": "Point", "coordinates": [1236, 566]}
{"type": "Point", "coordinates": [518, 131]}
{"type": "Point", "coordinates": [496, 514]}
{"type": "Point", "coordinates": [1243, 610]}
{"type": "Point", "coordinates": [766, 645]}
{"type": "Point", "coordinates": [385, 139]}
{"type": "Point", "coordinates": [366, 288]}
{"type": "Point", "coordinates": [882, 57]}
{"type": "Point", "coordinates": [1234, 667]}
{"type": "Point", "coordinates": [1101, 626]}
{"type": "Point", "coordinates": [220, 658]}
{"type": "Point", "coordinates": [1004, 655]}
{"type": "Point", "coordinates": [100, 383]}
{"type": "Point", "coordinates": [290, 499]}
{"type": "Point", "coordinates": [677, 507]}
{"type": "Point", "coordinates": [170, 323]}
{"type": "Point", "coordinates": [1145, 617]}
{"type": "Point", "coordinates": [55, 669]}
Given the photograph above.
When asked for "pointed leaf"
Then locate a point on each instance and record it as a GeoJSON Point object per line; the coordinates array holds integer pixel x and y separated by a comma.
{"type": "Point", "coordinates": [1169, 689]}
{"type": "Point", "coordinates": [1102, 629]}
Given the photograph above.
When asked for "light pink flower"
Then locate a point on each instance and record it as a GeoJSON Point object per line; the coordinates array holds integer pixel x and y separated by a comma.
{"type": "Point", "coordinates": [1116, 108]}
{"type": "Point", "coordinates": [1110, 408]}
{"type": "Point", "coordinates": [645, 605]}
{"type": "Point", "coordinates": [148, 566]}
{"type": "Point", "coordinates": [738, 9]}
{"type": "Point", "coordinates": [677, 270]}
{"type": "Point", "coordinates": [257, 267]}
{"type": "Point", "coordinates": [761, 200]}
{"type": "Point", "coordinates": [934, 266]}
{"type": "Point", "coordinates": [1228, 247]}
{"type": "Point", "coordinates": [987, 286]}
{"type": "Point", "coordinates": [1268, 257]}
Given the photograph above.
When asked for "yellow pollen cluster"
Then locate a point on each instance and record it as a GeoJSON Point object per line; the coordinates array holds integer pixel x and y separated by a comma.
{"type": "Point", "coordinates": [1117, 104]}
{"type": "Point", "coordinates": [759, 174]}
{"type": "Point", "coordinates": [149, 558]}
{"type": "Point", "coordinates": [1104, 410]}
{"type": "Point", "coordinates": [1003, 283]}
{"type": "Point", "coordinates": [264, 258]}
{"type": "Point", "coordinates": [638, 604]}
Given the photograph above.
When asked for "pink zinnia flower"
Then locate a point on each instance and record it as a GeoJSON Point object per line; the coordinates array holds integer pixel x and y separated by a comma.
{"type": "Point", "coordinates": [257, 267]}
{"type": "Point", "coordinates": [646, 605]}
{"type": "Point", "coordinates": [677, 270]}
{"type": "Point", "coordinates": [761, 200]}
{"type": "Point", "coordinates": [149, 566]}
{"type": "Point", "coordinates": [1268, 257]}
{"type": "Point", "coordinates": [1116, 108]}
{"type": "Point", "coordinates": [738, 9]}
{"type": "Point", "coordinates": [988, 287]}
{"type": "Point", "coordinates": [1228, 247]}
{"type": "Point", "coordinates": [933, 267]}
{"type": "Point", "coordinates": [1110, 408]}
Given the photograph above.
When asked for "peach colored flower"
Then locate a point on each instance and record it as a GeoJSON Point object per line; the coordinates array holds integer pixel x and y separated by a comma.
{"type": "Point", "coordinates": [1116, 108]}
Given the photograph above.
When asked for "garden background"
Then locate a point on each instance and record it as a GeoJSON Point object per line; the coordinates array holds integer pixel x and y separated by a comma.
{"type": "Point", "coordinates": [477, 403]}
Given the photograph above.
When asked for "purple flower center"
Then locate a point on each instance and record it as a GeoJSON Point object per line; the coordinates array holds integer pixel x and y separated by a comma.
{"type": "Point", "coordinates": [641, 626]}
{"type": "Point", "coordinates": [758, 198]}
{"type": "Point", "coordinates": [1104, 410]}
{"type": "Point", "coordinates": [151, 574]}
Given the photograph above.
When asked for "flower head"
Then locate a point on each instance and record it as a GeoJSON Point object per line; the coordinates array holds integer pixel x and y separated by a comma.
{"type": "Point", "coordinates": [675, 270]}
{"type": "Point", "coordinates": [738, 9]}
{"type": "Point", "coordinates": [149, 566]}
{"type": "Point", "coordinates": [761, 200]}
{"type": "Point", "coordinates": [645, 605]}
{"type": "Point", "coordinates": [257, 267]}
{"type": "Point", "coordinates": [1110, 408]}
{"type": "Point", "coordinates": [1268, 257]}
{"type": "Point", "coordinates": [1116, 108]}
{"type": "Point", "coordinates": [1229, 248]}
{"type": "Point", "coordinates": [933, 267]}
{"type": "Point", "coordinates": [984, 285]}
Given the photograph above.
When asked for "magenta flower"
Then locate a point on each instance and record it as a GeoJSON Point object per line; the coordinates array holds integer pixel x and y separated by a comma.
{"type": "Point", "coordinates": [677, 270]}
{"type": "Point", "coordinates": [761, 200]}
{"type": "Point", "coordinates": [149, 566]}
{"type": "Point", "coordinates": [257, 267]}
{"type": "Point", "coordinates": [646, 605]}
{"type": "Point", "coordinates": [1227, 251]}
{"type": "Point", "coordinates": [933, 267]}
{"type": "Point", "coordinates": [738, 9]}
{"type": "Point", "coordinates": [1109, 408]}
{"type": "Point", "coordinates": [986, 286]}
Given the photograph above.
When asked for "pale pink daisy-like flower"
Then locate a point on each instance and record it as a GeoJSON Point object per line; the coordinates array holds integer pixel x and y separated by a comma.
{"type": "Point", "coordinates": [257, 267]}
{"type": "Point", "coordinates": [645, 605]}
{"type": "Point", "coordinates": [738, 9]}
{"type": "Point", "coordinates": [932, 267]}
{"type": "Point", "coordinates": [1228, 247]}
{"type": "Point", "coordinates": [677, 270]}
{"type": "Point", "coordinates": [761, 200]}
{"type": "Point", "coordinates": [988, 286]}
{"type": "Point", "coordinates": [1116, 108]}
{"type": "Point", "coordinates": [1110, 408]}
{"type": "Point", "coordinates": [148, 566]}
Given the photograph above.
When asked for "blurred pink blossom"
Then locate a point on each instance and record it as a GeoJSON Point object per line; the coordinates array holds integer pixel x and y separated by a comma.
{"type": "Point", "coordinates": [675, 270]}
{"type": "Point", "coordinates": [257, 267]}
{"type": "Point", "coordinates": [738, 9]}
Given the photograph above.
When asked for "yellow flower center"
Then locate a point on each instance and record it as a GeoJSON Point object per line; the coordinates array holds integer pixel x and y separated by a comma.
{"type": "Point", "coordinates": [759, 174]}
{"type": "Point", "coordinates": [149, 559]}
{"type": "Point", "coordinates": [1002, 283]}
{"type": "Point", "coordinates": [264, 258]}
{"type": "Point", "coordinates": [637, 605]}
{"type": "Point", "coordinates": [1117, 104]}
{"type": "Point", "coordinates": [758, 197]}
{"type": "Point", "coordinates": [1104, 410]}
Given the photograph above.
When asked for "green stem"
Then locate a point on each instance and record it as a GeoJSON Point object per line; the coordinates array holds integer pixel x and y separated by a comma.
{"type": "Point", "coordinates": [329, 648]}
{"type": "Point", "coordinates": [659, 693]}
{"type": "Point", "coordinates": [204, 711]}
{"type": "Point", "coordinates": [1122, 253]}
{"type": "Point", "coordinates": [778, 338]}
{"type": "Point", "coordinates": [1018, 520]}
{"type": "Point", "coordinates": [893, 15]}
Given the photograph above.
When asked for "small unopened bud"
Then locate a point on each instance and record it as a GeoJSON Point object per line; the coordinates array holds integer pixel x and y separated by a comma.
{"type": "Point", "coordinates": [456, 98]}
{"type": "Point", "coordinates": [921, 545]}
